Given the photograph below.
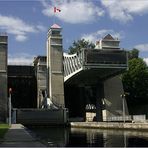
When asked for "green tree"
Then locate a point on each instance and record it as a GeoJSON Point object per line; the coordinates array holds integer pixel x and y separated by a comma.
{"type": "Point", "coordinates": [135, 81]}
{"type": "Point", "coordinates": [134, 53]}
{"type": "Point", "coordinates": [78, 45]}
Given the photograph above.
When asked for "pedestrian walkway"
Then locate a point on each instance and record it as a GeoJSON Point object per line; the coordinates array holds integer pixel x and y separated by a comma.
{"type": "Point", "coordinates": [18, 136]}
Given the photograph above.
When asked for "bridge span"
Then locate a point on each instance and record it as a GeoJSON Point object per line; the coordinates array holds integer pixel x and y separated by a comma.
{"type": "Point", "coordinates": [94, 63]}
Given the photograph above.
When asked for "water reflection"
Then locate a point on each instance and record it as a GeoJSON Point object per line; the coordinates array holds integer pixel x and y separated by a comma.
{"type": "Point", "coordinates": [52, 136]}
{"type": "Point", "coordinates": [82, 137]}
{"type": "Point", "coordinates": [74, 137]}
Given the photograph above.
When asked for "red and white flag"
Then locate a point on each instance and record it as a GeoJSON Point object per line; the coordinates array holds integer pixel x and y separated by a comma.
{"type": "Point", "coordinates": [56, 10]}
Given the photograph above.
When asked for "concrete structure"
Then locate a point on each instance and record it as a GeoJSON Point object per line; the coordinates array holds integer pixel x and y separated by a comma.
{"type": "Point", "coordinates": [110, 125]}
{"type": "Point", "coordinates": [42, 116]}
{"type": "Point", "coordinates": [87, 82]}
{"type": "Point", "coordinates": [55, 84]}
{"type": "Point", "coordinates": [113, 102]}
{"type": "Point", "coordinates": [3, 76]}
{"type": "Point", "coordinates": [41, 77]}
{"type": "Point", "coordinates": [108, 43]}
{"type": "Point", "coordinates": [91, 77]}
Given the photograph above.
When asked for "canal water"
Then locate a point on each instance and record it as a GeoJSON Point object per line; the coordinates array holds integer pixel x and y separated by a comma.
{"type": "Point", "coordinates": [79, 137]}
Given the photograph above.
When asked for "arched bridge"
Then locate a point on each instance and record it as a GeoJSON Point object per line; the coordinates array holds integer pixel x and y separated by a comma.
{"type": "Point", "coordinates": [98, 63]}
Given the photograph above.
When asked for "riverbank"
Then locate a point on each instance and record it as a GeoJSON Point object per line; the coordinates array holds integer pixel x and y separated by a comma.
{"type": "Point", "coordinates": [18, 136]}
{"type": "Point", "coordinates": [110, 125]}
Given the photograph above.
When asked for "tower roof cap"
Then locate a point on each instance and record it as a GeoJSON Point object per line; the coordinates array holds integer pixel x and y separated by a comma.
{"type": "Point", "coordinates": [108, 37]}
{"type": "Point", "coordinates": [55, 26]}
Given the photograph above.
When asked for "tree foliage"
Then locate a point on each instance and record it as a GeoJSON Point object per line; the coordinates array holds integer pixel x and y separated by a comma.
{"type": "Point", "coordinates": [134, 53]}
{"type": "Point", "coordinates": [78, 45]}
{"type": "Point", "coordinates": [135, 80]}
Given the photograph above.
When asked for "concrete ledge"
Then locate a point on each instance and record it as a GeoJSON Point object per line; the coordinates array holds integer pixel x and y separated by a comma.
{"type": "Point", "coordinates": [110, 125]}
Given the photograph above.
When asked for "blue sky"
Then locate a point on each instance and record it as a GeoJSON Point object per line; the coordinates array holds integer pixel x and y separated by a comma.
{"type": "Point", "coordinates": [27, 23]}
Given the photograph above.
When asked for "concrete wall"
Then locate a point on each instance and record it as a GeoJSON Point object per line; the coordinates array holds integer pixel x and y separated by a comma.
{"type": "Point", "coordinates": [113, 102]}
{"type": "Point", "coordinates": [3, 97]}
{"type": "Point", "coordinates": [58, 89]}
{"type": "Point", "coordinates": [55, 67]}
{"type": "Point", "coordinates": [41, 77]}
{"type": "Point", "coordinates": [3, 78]}
{"type": "Point", "coordinates": [41, 116]}
{"type": "Point", "coordinates": [110, 44]}
{"type": "Point", "coordinates": [110, 125]}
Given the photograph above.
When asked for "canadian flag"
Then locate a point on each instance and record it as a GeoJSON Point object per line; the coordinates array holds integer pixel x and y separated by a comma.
{"type": "Point", "coordinates": [56, 10]}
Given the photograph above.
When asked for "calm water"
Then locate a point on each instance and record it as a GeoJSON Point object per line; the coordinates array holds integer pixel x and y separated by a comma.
{"type": "Point", "coordinates": [74, 137]}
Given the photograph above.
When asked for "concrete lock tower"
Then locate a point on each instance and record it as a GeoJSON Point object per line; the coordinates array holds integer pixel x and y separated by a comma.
{"type": "Point", "coordinates": [3, 76]}
{"type": "Point", "coordinates": [55, 76]}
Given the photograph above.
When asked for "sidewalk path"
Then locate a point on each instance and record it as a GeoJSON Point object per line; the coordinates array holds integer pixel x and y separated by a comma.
{"type": "Point", "coordinates": [18, 136]}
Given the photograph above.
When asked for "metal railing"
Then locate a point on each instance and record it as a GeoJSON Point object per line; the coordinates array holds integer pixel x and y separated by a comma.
{"type": "Point", "coordinates": [133, 118]}
{"type": "Point", "coordinates": [119, 118]}
{"type": "Point", "coordinates": [72, 64]}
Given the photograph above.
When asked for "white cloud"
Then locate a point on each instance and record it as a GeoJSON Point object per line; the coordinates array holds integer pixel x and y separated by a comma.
{"type": "Point", "coordinates": [18, 27]}
{"type": "Point", "coordinates": [146, 60]}
{"type": "Point", "coordinates": [21, 38]}
{"type": "Point", "coordinates": [142, 47]}
{"type": "Point", "coordinates": [73, 11]}
{"type": "Point", "coordinates": [93, 37]}
{"type": "Point", "coordinates": [41, 28]}
{"type": "Point", "coordinates": [124, 10]}
{"type": "Point", "coordinates": [20, 59]}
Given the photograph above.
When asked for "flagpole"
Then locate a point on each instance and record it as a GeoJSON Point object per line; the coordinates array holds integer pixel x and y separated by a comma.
{"type": "Point", "coordinates": [54, 19]}
{"type": "Point", "coordinates": [54, 16]}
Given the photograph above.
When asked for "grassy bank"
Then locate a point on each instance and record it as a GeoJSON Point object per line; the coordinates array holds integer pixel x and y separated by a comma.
{"type": "Point", "coordinates": [3, 129]}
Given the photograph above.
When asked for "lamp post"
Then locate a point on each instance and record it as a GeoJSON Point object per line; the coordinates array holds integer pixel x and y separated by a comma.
{"type": "Point", "coordinates": [9, 105]}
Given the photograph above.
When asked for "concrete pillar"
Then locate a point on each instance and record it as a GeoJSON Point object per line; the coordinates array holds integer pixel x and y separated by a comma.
{"type": "Point", "coordinates": [55, 66]}
{"type": "Point", "coordinates": [82, 101]}
{"type": "Point", "coordinates": [3, 78]}
{"type": "Point", "coordinates": [99, 96]}
{"type": "Point", "coordinates": [113, 102]}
